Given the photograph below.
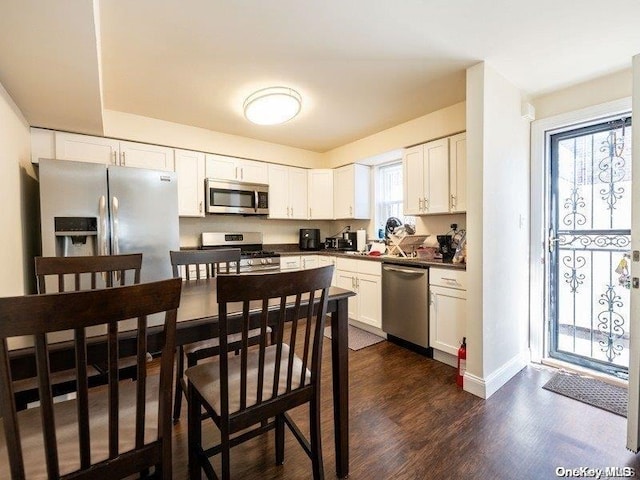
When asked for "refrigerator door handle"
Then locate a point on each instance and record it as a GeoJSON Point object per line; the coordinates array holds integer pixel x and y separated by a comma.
{"type": "Point", "coordinates": [114, 216]}
{"type": "Point", "coordinates": [102, 239]}
{"type": "Point", "coordinates": [114, 230]}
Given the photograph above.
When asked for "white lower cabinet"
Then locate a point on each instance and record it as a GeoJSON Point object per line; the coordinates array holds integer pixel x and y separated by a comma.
{"type": "Point", "coordinates": [365, 278]}
{"type": "Point", "coordinates": [290, 262]}
{"type": "Point", "coordinates": [309, 261]}
{"type": "Point", "coordinates": [447, 309]}
{"type": "Point", "coordinates": [324, 261]}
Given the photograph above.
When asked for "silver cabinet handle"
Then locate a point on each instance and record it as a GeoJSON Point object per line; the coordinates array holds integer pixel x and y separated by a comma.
{"type": "Point", "coordinates": [287, 211]}
{"type": "Point", "coordinates": [310, 215]}
{"type": "Point", "coordinates": [102, 239]}
{"type": "Point", "coordinates": [200, 207]}
{"type": "Point", "coordinates": [420, 207]}
{"type": "Point", "coordinates": [291, 212]}
{"type": "Point", "coordinates": [432, 299]}
{"type": "Point", "coordinates": [353, 283]}
{"type": "Point", "coordinates": [426, 204]}
{"type": "Point", "coordinates": [236, 173]}
{"type": "Point", "coordinates": [350, 211]}
{"type": "Point", "coordinates": [115, 157]}
{"type": "Point", "coordinates": [453, 202]}
{"type": "Point", "coordinates": [358, 283]}
{"type": "Point", "coordinates": [241, 173]}
{"type": "Point", "coordinates": [124, 159]}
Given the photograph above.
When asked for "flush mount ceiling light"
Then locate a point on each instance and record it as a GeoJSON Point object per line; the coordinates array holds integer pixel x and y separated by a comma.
{"type": "Point", "coordinates": [273, 105]}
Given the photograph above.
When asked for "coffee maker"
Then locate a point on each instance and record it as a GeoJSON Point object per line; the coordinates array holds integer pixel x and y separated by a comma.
{"type": "Point", "coordinates": [446, 248]}
{"type": "Point", "coordinates": [309, 239]}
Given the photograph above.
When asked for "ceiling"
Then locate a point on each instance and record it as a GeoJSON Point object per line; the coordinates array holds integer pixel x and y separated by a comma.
{"type": "Point", "coordinates": [361, 66]}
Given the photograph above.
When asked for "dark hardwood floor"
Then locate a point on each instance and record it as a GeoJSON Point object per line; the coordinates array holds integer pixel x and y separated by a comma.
{"type": "Point", "coordinates": [408, 420]}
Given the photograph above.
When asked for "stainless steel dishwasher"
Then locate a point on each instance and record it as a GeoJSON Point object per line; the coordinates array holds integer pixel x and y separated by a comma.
{"type": "Point", "coordinates": [405, 304]}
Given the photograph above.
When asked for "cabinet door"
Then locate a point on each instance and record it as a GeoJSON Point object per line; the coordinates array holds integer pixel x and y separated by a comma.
{"type": "Point", "coordinates": [298, 193]}
{"type": "Point", "coordinates": [279, 191]}
{"type": "Point", "coordinates": [436, 160]}
{"type": "Point", "coordinates": [347, 280]}
{"type": "Point", "coordinates": [221, 167]}
{"type": "Point", "coordinates": [253, 172]}
{"type": "Point", "coordinates": [142, 155]}
{"type": "Point", "coordinates": [321, 194]}
{"type": "Point", "coordinates": [344, 192]}
{"type": "Point", "coordinates": [324, 261]}
{"type": "Point", "coordinates": [190, 173]}
{"type": "Point", "coordinates": [370, 298]}
{"type": "Point", "coordinates": [290, 263]}
{"type": "Point", "coordinates": [447, 318]}
{"type": "Point", "coordinates": [458, 173]}
{"type": "Point", "coordinates": [362, 191]}
{"type": "Point", "coordinates": [85, 148]}
{"type": "Point", "coordinates": [309, 261]}
{"type": "Point", "coordinates": [413, 171]}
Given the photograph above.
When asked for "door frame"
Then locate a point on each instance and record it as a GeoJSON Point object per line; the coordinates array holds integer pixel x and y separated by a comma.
{"type": "Point", "coordinates": [540, 184]}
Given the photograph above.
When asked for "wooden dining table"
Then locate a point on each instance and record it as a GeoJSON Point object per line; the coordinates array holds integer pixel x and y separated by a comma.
{"type": "Point", "coordinates": [198, 320]}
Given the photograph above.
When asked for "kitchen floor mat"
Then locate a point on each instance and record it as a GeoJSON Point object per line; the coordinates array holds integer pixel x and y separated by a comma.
{"type": "Point", "coordinates": [358, 338]}
{"type": "Point", "coordinates": [591, 391]}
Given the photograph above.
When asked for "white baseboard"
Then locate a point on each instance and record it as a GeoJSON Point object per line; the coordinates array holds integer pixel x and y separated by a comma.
{"type": "Point", "coordinates": [485, 387]}
{"type": "Point", "coordinates": [445, 357]}
{"type": "Point", "coordinates": [368, 328]}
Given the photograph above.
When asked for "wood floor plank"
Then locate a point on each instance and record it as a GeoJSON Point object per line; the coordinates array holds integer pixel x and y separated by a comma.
{"type": "Point", "coordinates": [409, 420]}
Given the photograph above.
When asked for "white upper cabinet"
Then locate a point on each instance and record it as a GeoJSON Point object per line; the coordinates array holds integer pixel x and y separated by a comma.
{"type": "Point", "coordinates": [320, 194]}
{"type": "Point", "coordinates": [413, 173]}
{"type": "Point", "coordinates": [287, 192]}
{"type": "Point", "coordinates": [436, 161]}
{"type": "Point", "coordinates": [435, 177]}
{"type": "Point", "coordinates": [458, 173]}
{"type": "Point", "coordinates": [85, 148]}
{"type": "Point", "coordinates": [351, 192]}
{"type": "Point", "coordinates": [142, 155]}
{"type": "Point", "coordinates": [108, 151]}
{"type": "Point", "coordinates": [190, 172]}
{"type": "Point", "coordinates": [222, 167]}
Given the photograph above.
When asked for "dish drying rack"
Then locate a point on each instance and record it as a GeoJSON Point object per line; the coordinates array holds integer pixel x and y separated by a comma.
{"type": "Point", "coordinates": [405, 244]}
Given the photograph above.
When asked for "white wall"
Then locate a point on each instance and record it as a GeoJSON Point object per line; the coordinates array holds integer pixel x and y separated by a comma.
{"type": "Point", "coordinates": [600, 90]}
{"type": "Point", "coordinates": [16, 189]}
{"type": "Point", "coordinates": [497, 219]}
{"type": "Point", "coordinates": [150, 130]}
{"type": "Point", "coordinates": [438, 124]}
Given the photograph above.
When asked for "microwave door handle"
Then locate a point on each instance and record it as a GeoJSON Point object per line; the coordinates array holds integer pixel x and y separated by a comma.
{"type": "Point", "coordinates": [255, 205]}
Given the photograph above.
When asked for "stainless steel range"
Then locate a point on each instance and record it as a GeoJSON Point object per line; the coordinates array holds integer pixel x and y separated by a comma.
{"type": "Point", "coordinates": [252, 258]}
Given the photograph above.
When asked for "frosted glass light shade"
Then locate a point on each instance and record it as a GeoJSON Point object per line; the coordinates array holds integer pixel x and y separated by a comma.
{"type": "Point", "coordinates": [273, 105]}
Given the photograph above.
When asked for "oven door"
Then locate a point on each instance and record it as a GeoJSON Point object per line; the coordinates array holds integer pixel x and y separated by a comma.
{"type": "Point", "coordinates": [236, 197]}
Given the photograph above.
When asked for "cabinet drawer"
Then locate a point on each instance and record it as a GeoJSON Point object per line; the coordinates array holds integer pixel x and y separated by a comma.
{"type": "Point", "coordinates": [448, 278]}
{"type": "Point", "coordinates": [370, 267]}
{"type": "Point", "coordinates": [289, 263]}
{"type": "Point", "coordinates": [347, 264]}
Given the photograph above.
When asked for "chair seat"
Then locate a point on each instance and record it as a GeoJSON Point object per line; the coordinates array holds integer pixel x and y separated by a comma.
{"type": "Point", "coordinates": [215, 342]}
{"type": "Point", "coordinates": [206, 377]}
{"type": "Point", "coordinates": [67, 430]}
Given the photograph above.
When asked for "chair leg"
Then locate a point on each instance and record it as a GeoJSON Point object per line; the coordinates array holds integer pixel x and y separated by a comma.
{"type": "Point", "coordinates": [316, 440]}
{"type": "Point", "coordinates": [194, 434]}
{"type": "Point", "coordinates": [279, 439]}
{"type": "Point", "coordinates": [225, 454]}
{"type": "Point", "coordinates": [177, 400]}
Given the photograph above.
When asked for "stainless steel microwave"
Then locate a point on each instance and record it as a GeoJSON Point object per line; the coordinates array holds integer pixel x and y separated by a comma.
{"type": "Point", "coordinates": [224, 196]}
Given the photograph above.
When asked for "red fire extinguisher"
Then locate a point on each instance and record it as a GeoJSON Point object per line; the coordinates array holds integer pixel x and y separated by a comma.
{"type": "Point", "coordinates": [462, 362]}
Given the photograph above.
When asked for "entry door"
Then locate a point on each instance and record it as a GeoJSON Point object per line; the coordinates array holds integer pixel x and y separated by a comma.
{"type": "Point", "coordinates": [589, 243]}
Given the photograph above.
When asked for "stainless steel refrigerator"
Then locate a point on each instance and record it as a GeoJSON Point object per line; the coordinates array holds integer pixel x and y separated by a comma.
{"type": "Point", "coordinates": [95, 209]}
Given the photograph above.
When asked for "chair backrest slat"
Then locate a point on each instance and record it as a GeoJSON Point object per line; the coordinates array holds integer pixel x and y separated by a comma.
{"type": "Point", "coordinates": [37, 315]}
{"type": "Point", "coordinates": [267, 300]}
{"type": "Point", "coordinates": [212, 261]}
{"type": "Point", "coordinates": [87, 269]}
{"type": "Point", "coordinates": [141, 386]}
{"type": "Point", "coordinates": [46, 405]}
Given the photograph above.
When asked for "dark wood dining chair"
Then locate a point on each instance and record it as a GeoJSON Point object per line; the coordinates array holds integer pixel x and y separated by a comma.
{"type": "Point", "coordinates": [257, 387]}
{"type": "Point", "coordinates": [92, 436]}
{"type": "Point", "coordinates": [206, 264]}
{"type": "Point", "coordinates": [64, 274]}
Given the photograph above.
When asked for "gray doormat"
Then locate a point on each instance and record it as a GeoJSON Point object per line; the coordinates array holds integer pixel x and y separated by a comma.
{"type": "Point", "coordinates": [358, 338]}
{"type": "Point", "coordinates": [591, 391]}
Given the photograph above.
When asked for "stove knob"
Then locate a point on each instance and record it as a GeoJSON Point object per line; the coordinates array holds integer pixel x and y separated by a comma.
{"type": "Point", "coordinates": [269, 260]}
{"type": "Point", "coordinates": [263, 261]}
{"type": "Point", "coordinates": [249, 262]}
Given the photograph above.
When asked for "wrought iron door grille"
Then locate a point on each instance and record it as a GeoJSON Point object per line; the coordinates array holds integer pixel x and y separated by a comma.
{"type": "Point", "coordinates": [590, 239]}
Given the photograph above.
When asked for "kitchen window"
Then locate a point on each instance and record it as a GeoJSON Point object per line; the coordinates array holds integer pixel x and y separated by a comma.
{"type": "Point", "coordinates": [389, 195]}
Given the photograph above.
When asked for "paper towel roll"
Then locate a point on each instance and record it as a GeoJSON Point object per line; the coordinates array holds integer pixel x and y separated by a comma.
{"type": "Point", "coordinates": [361, 240]}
